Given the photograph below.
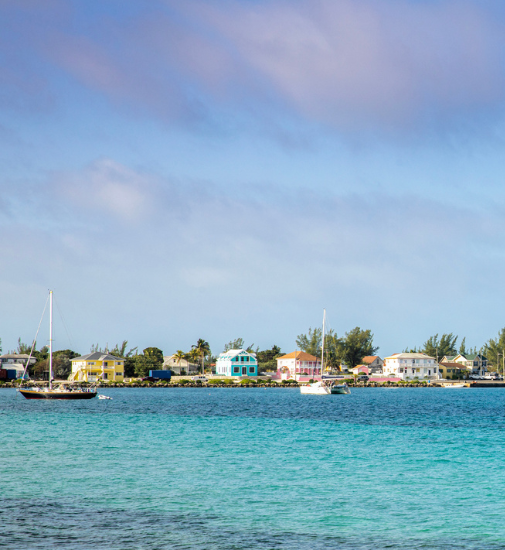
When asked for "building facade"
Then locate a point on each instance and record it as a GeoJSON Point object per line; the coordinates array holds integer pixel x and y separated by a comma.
{"type": "Point", "coordinates": [474, 363]}
{"type": "Point", "coordinates": [17, 362]}
{"type": "Point", "coordinates": [237, 362]}
{"type": "Point", "coordinates": [410, 366]}
{"type": "Point", "coordinates": [97, 366]}
{"type": "Point", "coordinates": [179, 366]}
{"type": "Point", "coordinates": [296, 364]}
{"type": "Point", "coordinates": [450, 370]}
{"type": "Point", "coordinates": [374, 363]}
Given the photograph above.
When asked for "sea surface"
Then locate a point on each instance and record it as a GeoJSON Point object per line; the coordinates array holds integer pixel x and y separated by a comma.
{"type": "Point", "coordinates": [234, 469]}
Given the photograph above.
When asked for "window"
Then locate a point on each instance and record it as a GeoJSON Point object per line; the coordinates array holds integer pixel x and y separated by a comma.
{"type": "Point", "coordinates": [251, 370]}
{"type": "Point", "coordinates": [119, 374]}
{"type": "Point", "coordinates": [236, 370]}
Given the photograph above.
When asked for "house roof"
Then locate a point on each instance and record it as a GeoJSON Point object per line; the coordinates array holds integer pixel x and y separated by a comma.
{"type": "Point", "coordinates": [235, 352]}
{"type": "Point", "coordinates": [14, 356]}
{"type": "Point", "coordinates": [98, 356]}
{"type": "Point", "coordinates": [452, 365]}
{"type": "Point", "coordinates": [300, 355]}
{"type": "Point", "coordinates": [409, 356]}
{"type": "Point", "coordinates": [370, 359]}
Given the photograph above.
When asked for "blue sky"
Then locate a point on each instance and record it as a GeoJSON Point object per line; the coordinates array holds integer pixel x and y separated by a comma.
{"type": "Point", "coordinates": [228, 169]}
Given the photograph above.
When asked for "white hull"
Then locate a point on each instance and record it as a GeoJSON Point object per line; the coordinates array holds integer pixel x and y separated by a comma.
{"type": "Point", "coordinates": [318, 388]}
{"type": "Point", "coordinates": [455, 386]}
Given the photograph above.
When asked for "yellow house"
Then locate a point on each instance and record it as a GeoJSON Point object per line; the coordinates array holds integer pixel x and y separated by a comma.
{"type": "Point", "coordinates": [449, 369]}
{"type": "Point", "coordinates": [97, 366]}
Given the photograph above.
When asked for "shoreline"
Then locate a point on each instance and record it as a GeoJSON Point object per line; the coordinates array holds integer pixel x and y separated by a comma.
{"type": "Point", "coordinates": [274, 385]}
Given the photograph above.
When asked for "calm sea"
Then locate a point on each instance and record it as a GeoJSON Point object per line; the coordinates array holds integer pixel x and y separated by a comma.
{"type": "Point", "coordinates": [254, 469]}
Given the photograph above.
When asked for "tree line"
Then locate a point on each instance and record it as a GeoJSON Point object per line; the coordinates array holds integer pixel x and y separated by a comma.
{"type": "Point", "coordinates": [349, 349]}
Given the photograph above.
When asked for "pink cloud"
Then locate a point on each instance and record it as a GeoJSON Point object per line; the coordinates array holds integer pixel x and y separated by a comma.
{"type": "Point", "coordinates": [350, 64]}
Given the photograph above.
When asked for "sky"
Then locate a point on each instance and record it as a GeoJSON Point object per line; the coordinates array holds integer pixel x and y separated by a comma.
{"type": "Point", "coordinates": [230, 168]}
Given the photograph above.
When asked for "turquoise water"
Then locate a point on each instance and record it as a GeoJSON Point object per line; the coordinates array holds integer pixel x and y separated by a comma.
{"type": "Point", "coordinates": [254, 468]}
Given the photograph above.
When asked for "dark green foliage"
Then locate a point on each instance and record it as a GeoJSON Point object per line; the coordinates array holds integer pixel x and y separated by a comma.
{"type": "Point", "coordinates": [23, 348]}
{"type": "Point", "coordinates": [494, 348]}
{"type": "Point", "coordinates": [357, 344]}
{"type": "Point", "coordinates": [129, 367]}
{"type": "Point", "coordinates": [439, 348]}
{"type": "Point", "coordinates": [311, 342]}
{"type": "Point", "coordinates": [267, 359]}
{"type": "Point", "coordinates": [203, 349]}
{"type": "Point", "coordinates": [238, 343]}
{"type": "Point", "coordinates": [462, 347]}
{"type": "Point", "coordinates": [120, 350]}
{"type": "Point", "coordinates": [151, 359]}
{"type": "Point", "coordinates": [66, 352]}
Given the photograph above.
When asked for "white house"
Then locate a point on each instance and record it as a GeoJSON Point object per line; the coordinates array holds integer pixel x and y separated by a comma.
{"type": "Point", "coordinates": [408, 366]}
{"type": "Point", "coordinates": [237, 362]}
{"type": "Point", "coordinates": [298, 363]}
{"type": "Point", "coordinates": [177, 366]}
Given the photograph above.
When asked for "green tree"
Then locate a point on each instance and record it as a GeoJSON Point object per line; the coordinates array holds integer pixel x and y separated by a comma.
{"type": "Point", "coordinates": [494, 348]}
{"type": "Point", "coordinates": [203, 349]}
{"type": "Point", "coordinates": [120, 350]}
{"type": "Point", "coordinates": [0, 345]}
{"type": "Point", "coordinates": [179, 355]}
{"type": "Point", "coordinates": [23, 348]}
{"type": "Point", "coordinates": [462, 347]}
{"type": "Point", "coordinates": [311, 342]}
{"type": "Point", "coordinates": [357, 344]}
{"type": "Point", "coordinates": [238, 343]}
{"type": "Point", "coordinates": [150, 359]}
{"type": "Point", "coordinates": [438, 348]}
{"type": "Point", "coordinates": [267, 359]}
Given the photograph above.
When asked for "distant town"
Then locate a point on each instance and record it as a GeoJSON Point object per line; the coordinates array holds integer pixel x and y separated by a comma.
{"type": "Point", "coordinates": [353, 355]}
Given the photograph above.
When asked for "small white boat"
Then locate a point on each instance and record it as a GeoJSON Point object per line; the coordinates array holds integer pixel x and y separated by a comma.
{"type": "Point", "coordinates": [456, 385]}
{"type": "Point", "coordinates": [101, 396]}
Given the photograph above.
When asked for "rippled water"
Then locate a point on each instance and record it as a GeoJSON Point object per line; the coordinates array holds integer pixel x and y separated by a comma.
{"type": "Point", "coordinates": [254, 468]}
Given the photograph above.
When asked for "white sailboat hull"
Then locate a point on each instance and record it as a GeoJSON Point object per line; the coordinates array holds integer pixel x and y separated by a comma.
{"type": "Point", "coordinates": [318, 388]}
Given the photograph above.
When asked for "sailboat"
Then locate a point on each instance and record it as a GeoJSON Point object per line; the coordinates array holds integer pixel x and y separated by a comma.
{"type": "Point", "coordinates": [321, 387]}
{"type": "Point", "coordinates": [63, 391]}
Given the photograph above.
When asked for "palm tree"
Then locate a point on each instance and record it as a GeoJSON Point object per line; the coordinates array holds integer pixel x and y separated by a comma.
{"type": "Point", "coordinates": [194, 355]}
{"type": "Point", "coordinates": [203, 349]}
{"type": "Point", "coordinates": [179, 355]}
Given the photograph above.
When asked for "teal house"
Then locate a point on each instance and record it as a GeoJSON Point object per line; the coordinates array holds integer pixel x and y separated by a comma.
{"type": "Point", "coordinates": [237, 362]}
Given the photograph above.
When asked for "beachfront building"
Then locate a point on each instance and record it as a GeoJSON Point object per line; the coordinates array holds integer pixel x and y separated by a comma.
{"type": "Point", "coordinates": [237, 362]}
{"type": "Point", "coordinates": [474, 363]}
{"type": "Point", "coordinates": [450, 370]}
{"type": "Point", "coordinates": [97, 366]}
{"type": "Point", "coordinates": [373, 363]}
{"type": "Point", "coordinates": [410, 366]}
{"type": "Point", "coordinates": [179, 366]}
{"type": "Point", "coordinates": [17, 362]}
{"type": "Point", "coordinates": [298, 363]}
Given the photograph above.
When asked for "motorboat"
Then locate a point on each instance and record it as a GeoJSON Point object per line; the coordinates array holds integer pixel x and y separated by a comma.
{"type": "Point", "coordinates": [340, 389]}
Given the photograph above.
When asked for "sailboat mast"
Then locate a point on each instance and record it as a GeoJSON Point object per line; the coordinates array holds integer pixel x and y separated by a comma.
{"type": "Point", "coordinates": [50, 339]}
{"type": "Point", "coordinates": [322, 346]}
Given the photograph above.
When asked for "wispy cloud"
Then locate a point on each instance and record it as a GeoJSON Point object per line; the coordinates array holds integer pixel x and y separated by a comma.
{"type": "Point", "coordinates": [353, 66]}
